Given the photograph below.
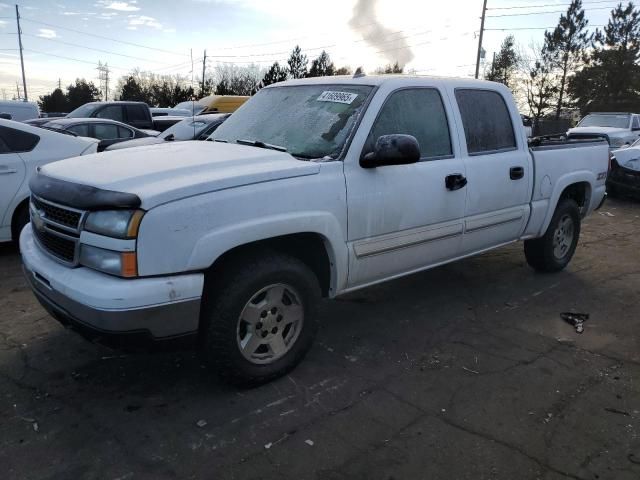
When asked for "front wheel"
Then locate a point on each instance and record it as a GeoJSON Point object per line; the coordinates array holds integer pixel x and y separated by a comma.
{"type": "Point", "coordinates": [553, 251]}
{"type": "Point", "coordinates": [259, 320]}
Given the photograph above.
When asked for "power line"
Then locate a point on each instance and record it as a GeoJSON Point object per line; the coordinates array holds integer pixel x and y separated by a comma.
{"type": "Point", "coordinates": [548, 5]}
{"type": "Point", "coordinates": [103, 37]}
{"type": "Point", "coordinates": [542, 13]}
{"type": "Point", "coordinates": [530, 28]}
{"type": "Point", "coordinates": [88, 48]}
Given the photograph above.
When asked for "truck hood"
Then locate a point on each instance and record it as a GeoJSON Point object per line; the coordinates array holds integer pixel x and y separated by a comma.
{"type": "Point", "coordinates": [173, 170]}
{"type": "Point", "coordinates": [610, 131]}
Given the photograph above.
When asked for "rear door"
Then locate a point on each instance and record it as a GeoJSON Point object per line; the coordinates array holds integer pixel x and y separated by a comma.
{"type": "Point", "coordinates": [12, 167]}
{"type": "Point", "coordinates": [498, 169]}
{"type": "Point", "coordinates": [138, 116]}
{"type": "Point", "coordinates": [402, 217]}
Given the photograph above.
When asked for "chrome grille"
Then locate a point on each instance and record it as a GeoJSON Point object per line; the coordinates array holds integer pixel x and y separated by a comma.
{"type": "Point", "coordinates": [56, 229]}
{"type": "Point", "coordinates": [59, 215]}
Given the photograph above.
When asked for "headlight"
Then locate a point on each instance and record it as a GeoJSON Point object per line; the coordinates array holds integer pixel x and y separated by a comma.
{"type": "Point", "coordinates": [115, 223]}
{"type": "Point", "coordinates": [122, 264]}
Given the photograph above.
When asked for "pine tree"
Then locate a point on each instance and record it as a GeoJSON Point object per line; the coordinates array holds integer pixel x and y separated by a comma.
{"type": "Point", "coordinates": [541, 89]}
{"type": "Point", "coordinates": [505, 63]}
{"type": "Point", "coordinates": [322, 66]}
{"type": "Point", "coordinates": [611, 78]}
{"type": "Point", "coordinates": [297, 63]}
{"type": "Point", "coordinates": [275, 74]}
{"type": "Point", "coordinates": [56, 101]}
{"type": "Point", "coordinates": [565, 47]}
{"type": "Point", "coordinates": [132, 90]}
{"type": "Point", "coordinates": [82, 92]}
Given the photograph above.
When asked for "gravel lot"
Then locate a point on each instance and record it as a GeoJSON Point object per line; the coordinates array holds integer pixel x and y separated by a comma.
{"type": "Point", "coordinates": [465, 371]}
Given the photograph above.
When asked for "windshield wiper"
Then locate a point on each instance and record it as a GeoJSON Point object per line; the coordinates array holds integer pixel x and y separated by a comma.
{"type": "Point", "coordinates": [259, 144]}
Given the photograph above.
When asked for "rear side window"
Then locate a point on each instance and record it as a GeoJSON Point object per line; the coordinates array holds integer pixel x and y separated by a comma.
{"type": "Point", "coordinates": [136, 113]}
{"type": "Point", "coordinates": [486, 121]}
{"type": "Point", "coordinates": [82, 129]}
{"type": "Point", "coordinates": [113, 112]}
{"type": "Point", "coordinates": [18, 141]}
{"type": "Point", "coordinates": [636, 123]}
{"type": "Point", "coordinates": [124, 132]}
{"type": "Point", "coordinates": [418, 112]}
{"type": "Point", "coordinates": [105, 131]}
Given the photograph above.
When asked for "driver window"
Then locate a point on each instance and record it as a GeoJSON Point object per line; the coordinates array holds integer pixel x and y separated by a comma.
{"type": "Point", "coordinates": [106, 131]}
{"type": "Point", "coordinates": [418, 112]}
{"type": "Point", "coordinates": [636, 123]}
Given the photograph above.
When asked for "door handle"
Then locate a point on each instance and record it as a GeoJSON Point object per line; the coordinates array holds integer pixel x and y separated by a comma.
{"type": "Point", "coordinates": [516, 173]}
{"type": "Point", "coordinates": [455, 181]}
{"type": "Point", "coordinates": [6, 171]}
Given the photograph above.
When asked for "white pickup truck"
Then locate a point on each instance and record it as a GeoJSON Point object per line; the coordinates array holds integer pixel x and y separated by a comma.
{"type": "Point", "coordinates": [314, 187]}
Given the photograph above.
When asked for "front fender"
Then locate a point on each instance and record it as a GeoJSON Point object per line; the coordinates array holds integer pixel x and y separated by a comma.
{"type": "Point", "coordinates": [217, 242]}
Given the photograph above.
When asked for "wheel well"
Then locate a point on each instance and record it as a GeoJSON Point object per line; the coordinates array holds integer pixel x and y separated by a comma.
{"type": "Point", "coordinates": [309, 248]}
{"type": "Point", "coordinates": [580, 193]}
{"type": "Point", "coordinates": [14, 217]}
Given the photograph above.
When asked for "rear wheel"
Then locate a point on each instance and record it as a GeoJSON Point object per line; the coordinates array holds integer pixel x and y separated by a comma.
{"type": "Point", "coordinates": [553, 251]}
{"type": "Point", "coordinates": [259, 320]}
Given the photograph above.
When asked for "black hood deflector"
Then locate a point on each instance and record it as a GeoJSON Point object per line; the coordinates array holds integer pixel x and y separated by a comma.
{"type": "Point", "coordinates": [79, 196]}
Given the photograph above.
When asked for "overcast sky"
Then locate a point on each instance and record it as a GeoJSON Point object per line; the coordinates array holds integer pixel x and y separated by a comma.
{"type": "Point", "coordinates": [434, 37]}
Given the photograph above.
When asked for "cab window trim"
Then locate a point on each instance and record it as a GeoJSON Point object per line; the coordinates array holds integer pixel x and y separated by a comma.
{"type": "Point", "coordinates": [446, 116]}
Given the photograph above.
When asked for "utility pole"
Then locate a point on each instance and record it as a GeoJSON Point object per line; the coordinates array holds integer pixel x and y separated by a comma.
{"type": "Point", "coordinates": [18, 90]}
{"type": "Point", "coordinates": [103, 77]}
{"type": "Point", "coordinates": [204, 65]}
{"type": "Point", "coordinates": [484, 11]}
{"type": "Point", "coordinates": [24, 80]}
{"type": "Point", "coordinates": [59, 84]}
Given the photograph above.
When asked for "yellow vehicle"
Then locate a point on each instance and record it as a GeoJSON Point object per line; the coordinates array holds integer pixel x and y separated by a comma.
{"type": "Point", "coordinates": [222, 103]}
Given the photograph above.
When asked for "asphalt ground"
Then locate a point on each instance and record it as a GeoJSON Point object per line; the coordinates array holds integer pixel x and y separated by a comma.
{"type": "Point", "coordinates": [463, 372]}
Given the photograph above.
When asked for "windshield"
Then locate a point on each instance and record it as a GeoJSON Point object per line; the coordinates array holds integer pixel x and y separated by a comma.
{"type": "Point", "coordinates": [608, 120]}
{"type": "Point", "coordinates": [186, 129]}
{"type": "Point", "coordinates": [310, 121]}
{"type": "Point", "coordinates": [84, 111]}
{"type": "Point", "coordinates": [193, 107]}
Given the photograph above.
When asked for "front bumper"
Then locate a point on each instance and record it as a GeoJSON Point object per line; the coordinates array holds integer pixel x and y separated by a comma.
{"type": "Point", "coordinates": [112, 309]}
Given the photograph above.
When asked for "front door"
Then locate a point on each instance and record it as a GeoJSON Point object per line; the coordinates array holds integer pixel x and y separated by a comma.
{"type": "Point", "coordinates": [498, 168]}
{"type": "Point", "coordinates": [12, 173]}
{"type": "Point", "coordinates": [403, 217]}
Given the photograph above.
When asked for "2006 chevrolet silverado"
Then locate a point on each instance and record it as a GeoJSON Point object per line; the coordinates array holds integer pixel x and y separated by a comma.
{"type": "Point", "coordinates": [313, 187]}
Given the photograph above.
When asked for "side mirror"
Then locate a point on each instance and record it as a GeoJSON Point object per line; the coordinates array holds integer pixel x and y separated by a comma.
{"type": "Point", "coordinates": [394, 149]}
{"type": "Point", "coordinates": [6, 116]}
{"type": "Point", "coordinates": [170, 138]}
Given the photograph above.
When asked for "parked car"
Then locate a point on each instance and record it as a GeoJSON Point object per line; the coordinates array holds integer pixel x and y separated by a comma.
{"type": "Point", "coordinates": [19, 110]}
{"type": "Point", "coordinates": [38, 122]}
{"type": "Point", "coordinates": [193, 106]}
{"type": "Point", "coordinates": [624, 176]}
{"type": "Point", "coordinates": [163, 112]}
{"type": "Point", "coordinates": [619, 129]}
{"type": "Point", "coordinates": [356, 181]}
{"type": "Point", "coordinates": [24, 148]}
{"type": "Point", "coordinates": [223, 103]}
{"type": "Point", "coordinates": [108, 132]}
{"type": "Point", "coordinates": [163, 123]}
{"type": "Point", "coordinates": [191, 128]}
{"type": "Point", "coordinates": [136, 114]}
{"type": "Point", "coordinates": [54, 114]}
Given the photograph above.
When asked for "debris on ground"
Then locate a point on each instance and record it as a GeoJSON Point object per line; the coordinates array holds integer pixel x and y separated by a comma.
{"type": "Point", "coordinates": [201, 423]}
{"type": "Point", "coordinates": [268, 445]}
{"type": "Point", "coordinates": [309, 442]}
{"type": "Point", "coordinates": [470, 371]}
{"type": "Point", "coordinates": [615, 410]}
{"type": "Point", "coordinates": [607, 214]}
{"type": "Point", "coordinates": [575, 319]}
{"type": "Point", "coordinates": [36, 427]}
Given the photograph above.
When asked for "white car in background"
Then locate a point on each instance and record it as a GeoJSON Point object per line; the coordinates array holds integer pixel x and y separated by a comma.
{"type": "Point", "coordinates": [24, 148]}
{"type": "Point", "coordinates": [619, 129]}
{"type": "Point", "coordinates": [19, 110]}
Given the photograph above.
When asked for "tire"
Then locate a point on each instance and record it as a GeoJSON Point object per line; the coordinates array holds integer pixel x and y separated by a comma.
{"type": "Point", "coordinates": [20, 219]}
{"type": "Point", "coordinates": [553, 251]}
{"type": "Point", "coordinates": [234, 346]}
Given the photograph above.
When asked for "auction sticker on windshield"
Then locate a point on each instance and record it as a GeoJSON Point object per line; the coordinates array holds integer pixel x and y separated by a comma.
{"type": "Point", "coordinates": [337, 97]}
